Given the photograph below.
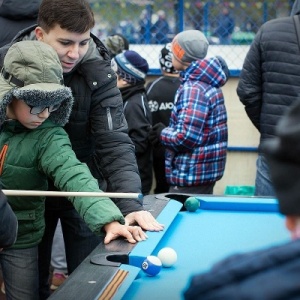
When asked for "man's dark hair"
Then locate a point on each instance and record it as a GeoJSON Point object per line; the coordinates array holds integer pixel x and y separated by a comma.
{"type": "Point", "coordinates": [71, 15]}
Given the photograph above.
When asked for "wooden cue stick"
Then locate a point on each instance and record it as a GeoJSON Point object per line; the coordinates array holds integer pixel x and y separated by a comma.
{"type": "Point", "coordinates": [71, 194]}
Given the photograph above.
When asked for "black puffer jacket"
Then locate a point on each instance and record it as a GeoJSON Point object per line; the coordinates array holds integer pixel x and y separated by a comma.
{"type": "Point", "coordinates": [8, 223]}
{"type": "Point", "coordinates": [139, 119]}
{"type": "Point", "coordinates": [97, 127]}
{"type": "Point", "coordinates": [16, 15]}
{"type": "Point", "coordinates": [270, 78]}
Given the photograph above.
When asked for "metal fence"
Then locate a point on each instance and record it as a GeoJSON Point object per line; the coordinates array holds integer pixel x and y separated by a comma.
{"type": "Point", "coordinates": [230, 26]}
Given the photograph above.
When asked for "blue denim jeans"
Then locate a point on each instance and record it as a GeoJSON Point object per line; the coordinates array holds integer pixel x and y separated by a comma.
{"type": "Point", "coordinates": [263, 184]}
{"type": "Point", "coordinates": [58, 256]}
{"type": "Point", "coordinates": [20, 273]}
{"type": "Point", "coordinates": [79, 240]}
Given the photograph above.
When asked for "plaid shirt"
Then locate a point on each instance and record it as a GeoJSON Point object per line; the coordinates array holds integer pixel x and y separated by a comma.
{"type": "Point", "coordinates": [196, 138]}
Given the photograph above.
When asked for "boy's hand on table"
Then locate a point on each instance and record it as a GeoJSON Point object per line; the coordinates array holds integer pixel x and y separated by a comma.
{"type": "Point", "coordinates": [114, 230]}
{"type": "Point", "coordinates": [144, 219]}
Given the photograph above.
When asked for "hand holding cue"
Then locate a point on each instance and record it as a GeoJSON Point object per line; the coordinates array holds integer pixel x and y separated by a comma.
{"type": "Point", "coordinates": [71, 194]}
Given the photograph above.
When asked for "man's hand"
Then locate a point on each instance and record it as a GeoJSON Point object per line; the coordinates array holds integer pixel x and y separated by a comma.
{"type": "Point", "coordinates": [133, 234]}
{"type": "Point", "coordinates": [154, 134]}
{"type": "Point", "coordinates": [144, 219]}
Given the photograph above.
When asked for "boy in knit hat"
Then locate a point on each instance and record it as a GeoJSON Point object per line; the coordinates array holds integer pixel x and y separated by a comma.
{"type": "Point", "coordinates": [274, 270]}
{"type": "Point", "coordinates": [34, 105]}
{"type": "Point", "coordinates": [161, 94]}
{"type": "Point", "coordinates": [196, 138]}
{"type": "Point", "coordinates": [131, 70]}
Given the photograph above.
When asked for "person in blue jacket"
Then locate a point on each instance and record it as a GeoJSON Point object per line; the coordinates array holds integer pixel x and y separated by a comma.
{"type": "Point", "coordinates": [225, 27]}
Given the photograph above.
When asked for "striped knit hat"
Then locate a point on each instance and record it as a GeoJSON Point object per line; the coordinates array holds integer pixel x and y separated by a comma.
{"type": "Point", "coordinates": [131, 66]}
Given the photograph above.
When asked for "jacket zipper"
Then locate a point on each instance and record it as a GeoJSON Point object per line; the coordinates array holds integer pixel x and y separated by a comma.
{"type": "Point", "coordinates": [109, 119]}
{"type": "Point", "coordinates": [2, 157]}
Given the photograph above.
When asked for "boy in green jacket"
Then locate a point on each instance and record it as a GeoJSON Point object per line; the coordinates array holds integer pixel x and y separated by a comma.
{"type": "Point", "coordinates": [34, 105]}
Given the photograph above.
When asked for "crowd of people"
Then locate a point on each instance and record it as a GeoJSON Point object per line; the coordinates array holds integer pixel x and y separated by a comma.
{"type": "Point", "coordinates": [158, 27]}
{"type": "Point", "coordinates": [78, 114]}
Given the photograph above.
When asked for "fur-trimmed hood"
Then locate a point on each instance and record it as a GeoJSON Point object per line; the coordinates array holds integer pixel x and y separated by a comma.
{"type": "Point", "coordinates": [42, 98]}
{"type": "Point", "coordinates": [33, 73]}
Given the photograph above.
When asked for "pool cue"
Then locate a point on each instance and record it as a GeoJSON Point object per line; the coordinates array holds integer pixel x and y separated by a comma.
{"type": "Point", "coordinates": [71, 194]}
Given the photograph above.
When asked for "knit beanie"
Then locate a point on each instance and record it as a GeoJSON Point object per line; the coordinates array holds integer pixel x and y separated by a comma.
{"type": "Point", "coordinates": [282, 153]}
{"type": "Point", "coordinates": [165, 59]}
{"type": "Point", "coordinates": [189, 45]}
{"type": "Point", "coordinates": [131, 66]}
{"type": "Point", "coordinates": [32, 72]}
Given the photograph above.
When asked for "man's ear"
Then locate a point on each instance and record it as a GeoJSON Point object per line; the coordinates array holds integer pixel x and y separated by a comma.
{"type": "Point", "coordinates": [39, 33]}
{"type": "Point", "coordinates": [291, 223]}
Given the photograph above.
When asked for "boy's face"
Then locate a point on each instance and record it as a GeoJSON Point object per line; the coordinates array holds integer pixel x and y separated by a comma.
{"type": "Point", "coordinates": [121, 83]}
{"type": "Point", "coordinates": [177, 65]}
{"type": "Point", "coordinates": [19, 110]}
{"type": "Point", "coordinates": [70, 46]}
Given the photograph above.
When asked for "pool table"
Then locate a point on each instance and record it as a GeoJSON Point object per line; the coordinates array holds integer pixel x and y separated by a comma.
{"type": "Point", "coordinates": [222, 225]}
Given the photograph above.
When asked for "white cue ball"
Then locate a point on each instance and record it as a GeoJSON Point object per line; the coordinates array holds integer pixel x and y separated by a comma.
{"type": "Point", "coordinates": [168, 257]}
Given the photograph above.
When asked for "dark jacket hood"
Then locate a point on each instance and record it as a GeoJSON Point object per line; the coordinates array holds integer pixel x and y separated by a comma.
{"type": "Point", "coordinates": [19, 10]}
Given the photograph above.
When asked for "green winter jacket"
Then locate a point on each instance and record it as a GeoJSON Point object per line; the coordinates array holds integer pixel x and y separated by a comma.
{"type": "Point", "coordinates": [29, 157]}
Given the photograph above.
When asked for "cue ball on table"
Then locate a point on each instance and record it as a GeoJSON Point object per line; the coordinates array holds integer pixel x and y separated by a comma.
{"type": "Point", "coordinates": [168, 257]}
{"type": "Point", "coordinates": [151, 265]}
{"type": "Point", "coordinates": [192, 204]}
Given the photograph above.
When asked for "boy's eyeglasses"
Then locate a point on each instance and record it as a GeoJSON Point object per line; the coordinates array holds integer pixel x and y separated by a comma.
{"type": "Point", "coordinates": [35, 110]}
